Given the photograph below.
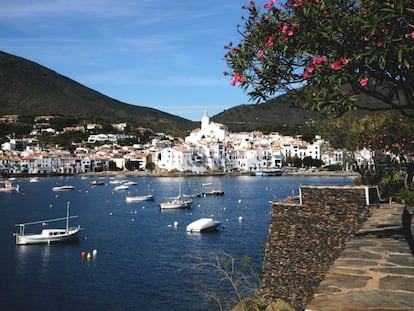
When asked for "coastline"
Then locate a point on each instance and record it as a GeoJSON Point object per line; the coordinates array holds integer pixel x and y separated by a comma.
{"type": "Point", "coordinates": [189, 174]}
{"type": "Point", "coordinates": [183, 174]}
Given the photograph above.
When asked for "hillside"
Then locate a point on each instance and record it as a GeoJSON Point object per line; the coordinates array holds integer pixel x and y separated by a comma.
{"type": "Point", "coordinates": [276, 113]}
{"type": "Point", "coordinates": [27, 88]}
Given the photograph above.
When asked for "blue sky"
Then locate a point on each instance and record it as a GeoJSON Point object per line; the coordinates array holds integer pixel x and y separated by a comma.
{"type": "Point", "coordinates": [166, 55]}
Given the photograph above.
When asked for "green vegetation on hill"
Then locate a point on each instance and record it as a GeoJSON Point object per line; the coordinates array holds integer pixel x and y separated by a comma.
{"type": "Point", "coordinates": [278, 114]}
{"type": "Point", "coordinates": [27, 88]}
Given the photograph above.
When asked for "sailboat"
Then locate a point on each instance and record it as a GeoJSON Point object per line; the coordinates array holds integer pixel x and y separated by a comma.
{"type": "Point", "coordinates": [136, 198]}
{"type": "Point", "coordinates": [177, 202]}
{"type": "Point", "coordinates": [213, 191]}
{"type": "Point", "coordinates": [47, 236]}
{"type": "Point", "coordinates": [191, 194]}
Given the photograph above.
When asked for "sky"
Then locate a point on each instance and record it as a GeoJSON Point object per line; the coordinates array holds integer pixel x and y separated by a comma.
{"type": "Point", "coordinates": [167, 55]}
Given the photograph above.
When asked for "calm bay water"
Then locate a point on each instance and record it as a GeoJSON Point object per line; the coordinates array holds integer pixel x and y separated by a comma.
{"type": "Point", "coordinates": [140, 254]}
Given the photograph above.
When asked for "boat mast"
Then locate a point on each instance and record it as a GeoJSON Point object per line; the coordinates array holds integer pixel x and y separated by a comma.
{"type": "Point", "coordinates": [67, 216]}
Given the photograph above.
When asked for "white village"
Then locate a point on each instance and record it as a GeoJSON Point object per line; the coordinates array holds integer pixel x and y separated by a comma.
{"type": "Point", "coordinates": [210, 148]}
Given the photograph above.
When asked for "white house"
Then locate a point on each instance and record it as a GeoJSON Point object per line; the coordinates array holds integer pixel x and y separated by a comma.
{"type": "Point", "coordinates": [175, 158]}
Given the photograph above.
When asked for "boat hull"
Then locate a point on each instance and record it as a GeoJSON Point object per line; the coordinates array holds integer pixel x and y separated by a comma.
{"type": "Point", "coordinates": [176, 204]}
{"type": "Point", "coordinates": [48, 236]}
{"type": "Point", "coordinates": [63, 188]}
{"type": "Point", "coordinates": [213, 192]}
{"type": "Point", "coordinates": [139, 198]}
{"type": "Point", "coordinates": [203, 225]}
{"type": "Point", "coordinates": [268, 173]}
{"type": "Point", "coordinates": [7, 186]}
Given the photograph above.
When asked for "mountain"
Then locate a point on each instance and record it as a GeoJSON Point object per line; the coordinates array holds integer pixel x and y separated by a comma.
{"type": "Point", "coordinates": [27, 88]}
{"type": "Point", "coordinates": [275, 113]}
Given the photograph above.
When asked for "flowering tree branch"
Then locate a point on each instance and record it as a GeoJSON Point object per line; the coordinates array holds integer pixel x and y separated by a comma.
{"type": "Point", "coordinates": [328, 53]}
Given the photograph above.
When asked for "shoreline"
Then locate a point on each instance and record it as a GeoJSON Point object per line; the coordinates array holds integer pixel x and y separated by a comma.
{"type": "Point", "coordinates": [185, 174]}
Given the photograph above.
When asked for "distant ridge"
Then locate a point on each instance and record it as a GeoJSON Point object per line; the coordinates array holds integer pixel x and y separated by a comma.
{"type": "Point", "coordinates": [27, 88]}
{"type": "Point", "coordinates": [277, 112]}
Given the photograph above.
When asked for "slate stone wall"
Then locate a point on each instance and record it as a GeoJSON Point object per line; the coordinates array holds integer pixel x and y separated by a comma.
{"type": "Point", "coordinates": [305, 238]}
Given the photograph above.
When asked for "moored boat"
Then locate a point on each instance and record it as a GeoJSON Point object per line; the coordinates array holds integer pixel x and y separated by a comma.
{"type": "Point", "coordinates": [264, 173]}
{"type": "Point", "coordinates": [121, 187]}
{"type": "Point", "coordinates": [64, 188]}
{"type": "Point", "coordinates": [213, 192]}
{"type": "Point", "coordinates": [138, 198]}
{"type": "Point", "coordinates": [47, 236]}
{"type": "Point", "coordinates": [203, 225]}
{"type": "Point", "coordinates": [96, 183]}
{"type": "Point", "coordinates": [176, 203]}
{"type": "Point", "coordinates": [7, 186]}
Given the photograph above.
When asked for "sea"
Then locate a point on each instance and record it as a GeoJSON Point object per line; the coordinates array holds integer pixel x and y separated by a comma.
{"type": "Point", "coordinates": [141, 257]}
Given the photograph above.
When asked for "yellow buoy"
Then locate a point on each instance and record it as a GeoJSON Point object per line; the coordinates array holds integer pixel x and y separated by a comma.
{"type": "Point", "coordinates": [89, 256]}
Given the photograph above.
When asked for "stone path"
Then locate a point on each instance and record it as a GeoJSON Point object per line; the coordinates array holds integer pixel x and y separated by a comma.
{"type": "Point", "coordinates": [374, 272]}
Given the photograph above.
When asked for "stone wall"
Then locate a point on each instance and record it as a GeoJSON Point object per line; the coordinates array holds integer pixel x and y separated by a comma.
{"type": "Point", "coordinates": [306, 237]}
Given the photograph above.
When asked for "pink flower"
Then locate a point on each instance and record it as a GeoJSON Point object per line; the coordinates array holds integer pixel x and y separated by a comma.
{"type": "Point", "coordinates": [284, 29]}
{"type": "Point", "coordinates": [310, 69]}
{"type": "Point", "coordinates": [269, 4]}
{"type": "Point", "coordinates": [336, 65]}
{"type": "Point", "coordinates": [412, 35]}
{"type": "Point", "coordinates": [260, 53]}
{"type": "Point", "coordinates": [319, 60]}
{"type": "Point", "coordinates": [379, 44]}
{"type": "Point", "coordinates": [305, 75]}
{"type": "Point", "coordinates": [270, 41]}
{"type": "Point", "coordinates": [237, 78]}
{"type": "Point", "coordinates": [364, 82]}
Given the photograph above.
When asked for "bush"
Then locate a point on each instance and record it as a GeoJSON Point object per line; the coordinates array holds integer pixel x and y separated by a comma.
{"type": "Point", "coordinates": [391, 184]}
{"type": "Point", "coordinates": [406, 197]}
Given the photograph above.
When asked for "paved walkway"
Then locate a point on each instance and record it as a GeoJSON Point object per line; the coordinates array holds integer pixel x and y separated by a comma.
{"type": "Point", "coordinates": [374, 272]}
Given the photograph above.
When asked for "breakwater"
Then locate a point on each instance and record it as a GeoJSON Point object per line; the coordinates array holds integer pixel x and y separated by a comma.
{"type": "Point", "coordinates": [306, 237]}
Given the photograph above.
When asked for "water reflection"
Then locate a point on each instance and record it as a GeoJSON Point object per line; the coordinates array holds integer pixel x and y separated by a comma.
{"type": "Point", "coordinates": [27, 254]}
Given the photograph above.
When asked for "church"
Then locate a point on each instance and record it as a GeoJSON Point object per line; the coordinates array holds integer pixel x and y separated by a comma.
{"type": "Point", "coordinates": [209, 131]}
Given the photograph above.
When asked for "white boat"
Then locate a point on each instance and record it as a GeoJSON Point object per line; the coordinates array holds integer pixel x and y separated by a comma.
{"type": "Point", "coordinates": [130, 183]}
{"type": "Point", "coordinates": [34, 179]}
{"type": "Point", "coordinates": [191, 194]}
{"type": "Point", "coordinates": [8, 186]}
{"type": "Point", "coordinates": [138, 198]}
{"type": "Point", "coordinates": [275, 172]}
{"type": "Point", "coordinates": [177, 202]}
{"type": "Point", "coordinates": [47, 236]}
{"type": "Point", "coordinates": [121, 187]}
{"type": "Point", "coordinates": [203, 225]}
{"type": "Point", "coordinates": [96, 183]}
{"type": "Point", "coordinates": [63, 188]}
{"type": "Point", "coordinates": [212, 191]}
